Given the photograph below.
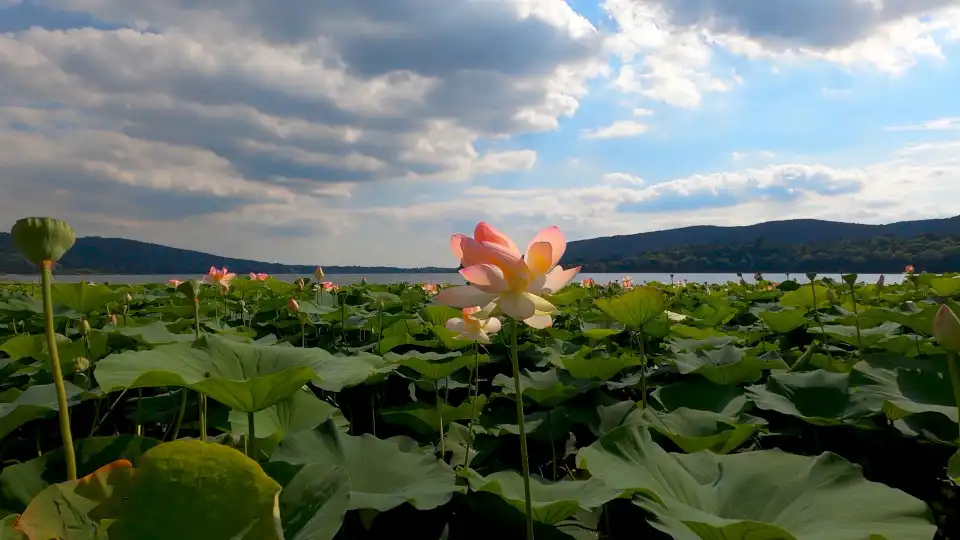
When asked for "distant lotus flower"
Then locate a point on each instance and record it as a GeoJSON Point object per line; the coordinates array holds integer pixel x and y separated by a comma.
{"type": "Point", "coordinates": [472, 329]}
{"type": "Point", "coordinates": [430, 288]}
{"type": "Point", "coordinates": [318, 273]}
{"type": "Point", "coordinates": [909, 269]}
{"type": "Point", "coordinates": [254, 276]}
{"type": "Point", "coordinates": [330, 286]}
{"type": "Point", "coordinates": [588, 282]}
{"type": "Point", "coordinates": [293, 306]}
{"type": "Point", "coordinates": [174, 283]}
{"type": "Point", "coordinates": [219, 277]}
{"type": "Point", "coordinates": [499, 274]}
{"type": "Point", "coordinates": [627, 282]}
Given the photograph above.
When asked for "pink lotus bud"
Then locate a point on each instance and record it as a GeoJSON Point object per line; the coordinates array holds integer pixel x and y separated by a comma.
{"type": "Point", "coordinates": [174, 283]}
{"type": "Point", "coordinates": [293, 306]}
{"type": "Point", "coordinates": [908, 269]}
{"type": "Point", "coordinates": [946, 328]}
{"type": "Point", "coordinates": [113, 319]}
{"type": "Point", "coordinates": [318, 273]}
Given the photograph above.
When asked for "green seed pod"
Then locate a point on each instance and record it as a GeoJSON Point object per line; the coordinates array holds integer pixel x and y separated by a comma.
{"type": "Point", "coordinates": [42, 239]}
{"type": "Point", "coordinates": [81, 364]}
{"type": "Point", "coordinates": [850, 279]}
{"type": "Point", "coordinates": [84, 327]}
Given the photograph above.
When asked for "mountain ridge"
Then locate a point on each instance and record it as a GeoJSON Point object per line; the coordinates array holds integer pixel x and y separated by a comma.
{"type": "Point", "coordinates": [633, 252]}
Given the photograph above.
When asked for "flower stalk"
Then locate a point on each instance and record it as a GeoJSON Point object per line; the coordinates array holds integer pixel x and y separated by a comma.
{"type": "Point", "coordinates": [46, 276]}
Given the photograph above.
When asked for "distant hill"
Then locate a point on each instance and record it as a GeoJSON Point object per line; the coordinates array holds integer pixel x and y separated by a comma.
{"type": "Point", "coordinates": [775, 246]}
{"type": "Point", "coordinates": [96, 255]}
{"type": "Point", "coordinates": [792, 232]}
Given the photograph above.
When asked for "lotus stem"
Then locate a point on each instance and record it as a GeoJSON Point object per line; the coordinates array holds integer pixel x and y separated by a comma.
{"type": "Point", "coordinates": [443, 446]}
{"type": "Point", "coordinates": [955, 380]}
{"type": "Point", "coordinates": [175, 430]}
{"type": "Point", "coordinates": [251, 438]}
{"type": "Point", "coordinates": [475, 375]}
{"type": "Point", "coordinates": [203, 417]}
{"type": "Point", "coordinates": [643, 369]}
{"type": "Point", "coordinates": [46, 276]}
{"type": "Point", "coordinates": [524, 456]}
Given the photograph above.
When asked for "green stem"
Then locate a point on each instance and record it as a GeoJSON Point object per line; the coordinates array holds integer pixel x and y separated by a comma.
{"type": "Point", "coordinates": [380, 333]}
{"type": "Point", "coordinates": [856, 315]}
{"type": "Point", "coordinates": [643, 370]}
{"type": "Point", "coordinates": [443, 445]}
{"type": "Point", "coordinates": [553, 445]}
{"type": "Point", "coordinates": [63, 413]}
{"type": "Point", "coordinates": [475, 376]}
{"type": "Point", "coordinates": [175, 430]}
{"type": "Point", "coordinates": [203, 416]}
{"type": "Point", "coordinates": [955, 379]}
{"type": "Point", "coordinates": [303, 332]}
{"type": "Point", "coordinates": [524, 456]}
{"type": "Point", "coordinates": [251, 438]}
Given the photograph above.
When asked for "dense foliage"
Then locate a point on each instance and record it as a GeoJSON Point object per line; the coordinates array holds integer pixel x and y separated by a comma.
{"type": "Point", "coordinates": [735, 411]}
{"type": "Point", "coordinates": [929, 252]}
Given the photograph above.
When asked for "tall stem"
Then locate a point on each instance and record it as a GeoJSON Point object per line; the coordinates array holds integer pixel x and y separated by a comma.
{"type": "Point", "coordinates": [955, 379]}
{"type": "Point", "coordinates": [475, 376]}
{"type": "Point", "coordinates": [443, 445]}
{"type": "Point", "coordinates": [643, 369]}
{"type": "Point", "coordinates": [525, 462]}
{"type": "Point", "coordinates": [203, 417]}
{"type": "Point", "coordinates": [251, 438]}
{"type": "Point", "coordinates": [46, 276]}
{"type": "Point", "coordinates": [175, 430]}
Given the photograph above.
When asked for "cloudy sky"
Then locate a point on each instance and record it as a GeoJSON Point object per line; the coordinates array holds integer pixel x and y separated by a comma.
{"type": "Point", "coordinates": [367, 131]}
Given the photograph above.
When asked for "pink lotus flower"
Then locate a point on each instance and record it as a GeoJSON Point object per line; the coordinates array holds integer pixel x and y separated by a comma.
{"type": "Point", "coordinates": [588, 282]}
{"type": "Point", "coordinates": [908, 269]}
{"type": "Point", "coordinates": [174, 283]}
{"type": "Point", "coordinates": [293, 306]}
{"type": "Point", "coordinates": [471, 328]}
{"type": "Point", "coordinates": [219, 277]}
{"type": "Point", "coordinates": [498, 274]}
{"type": "Point", "coordinates": [627, 282]}
{"type": "Point", "coordinates": [430, 288]}
{"type": "Point", "coordinates": [254, 276]}
{"type": "Point", "coordinates": [330, 286]}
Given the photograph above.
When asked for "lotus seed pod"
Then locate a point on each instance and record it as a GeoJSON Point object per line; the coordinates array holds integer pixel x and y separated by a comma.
{"type": "Point", "coordinates": [850, 279]}
{"type": "Point", "coordinates": [81, 364]}
{"type": "Point", "coordinates": [42, 239]}
{"type": "Point", "coordinates": [811, 276]}
{"type": "Point", "coordinates": [946, 328]}
{"type": "Point", "coordinates": [84, 327]}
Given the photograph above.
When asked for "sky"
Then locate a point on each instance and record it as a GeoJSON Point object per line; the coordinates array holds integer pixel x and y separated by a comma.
{"type": "Point", "coordinates": [367, 132]}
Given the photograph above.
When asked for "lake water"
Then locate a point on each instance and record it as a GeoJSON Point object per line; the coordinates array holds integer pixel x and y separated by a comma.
{"type": "Point", "coordinates": [344, 279]}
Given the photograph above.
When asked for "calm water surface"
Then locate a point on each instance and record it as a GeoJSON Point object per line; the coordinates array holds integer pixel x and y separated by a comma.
{"type": "Point", "coordinates": [444, 278]}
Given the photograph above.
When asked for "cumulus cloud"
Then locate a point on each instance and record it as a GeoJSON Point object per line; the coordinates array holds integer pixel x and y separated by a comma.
{"type": "Point", "coordinates": [617, 130]}
{"type": "Point", "coordinates": [938, 124]}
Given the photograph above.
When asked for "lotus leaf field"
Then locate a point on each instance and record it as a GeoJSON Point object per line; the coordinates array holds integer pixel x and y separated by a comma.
{"type": "Point", "coordinates": [263, 410]}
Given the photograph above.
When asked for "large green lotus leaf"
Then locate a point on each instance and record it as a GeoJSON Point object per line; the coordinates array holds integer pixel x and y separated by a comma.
{"type": "Point", "coordinates": [693, 430]}
{"type": "Point", "coordinates": [600, 329]}
{"type": "Point", "coordinates": [31, 346]}
{"type": "Point", "coordinates": [425, 418]}
{"type": "Point", "coordinates": [634, 308]}
{"type": "Point", "coordinates": [728, 365]}
{"type": "Point", "coordinates": [548, 388]}
{"type": "Point", "coordinates": [181, 489]}
{"type": "Point", "coordinates": [768, 495]}
{"type": "Point", "coordinates": [804, 297]}
{"type": "Point", "coordinates": [83, 297]}
{"type": "Point", "coordinates": [382, 475]}
{"type": "Point", "coordinates": [785, 320]}
{"type": "Point", "coordinates": [336, 372]}
{"type": "Point", "coordinates": [437, 315]}
{"type": "Point", "coordinates": [20, 483]}
{"type": "Point", "coordinates": [946, 286]}
{"type": "Point", "coordinates": [314, 502]}
{"type": "Point", "coordinates": [448, 338]}
{"type": "Point", "coordinates": [601, 366]}
{"type": "Point", "coordinates": [38, 401]}
{"type": "Point", "coordinates": [917, 317]}
{"type": "Point", "coordinates": [434, 366]}
{"type": "Point", "coordinates": [904, 387]}
{"type": "Point", "coordinates": [817, 397]}
{"type": "Point", "coordinates": [699, 393]}
{"type": "Point", "coordinates": [868, 337]}
{"type": "Point", "coordinates": [552, 502]}
{"type": "Point", "coordinates": [152, 333]}
{"type": "Point", "coordinates": [246, 377]}
{"type": "Point", "coordinates": [7, 532]}
{"type": "Point", "coordinates": [302, 411]}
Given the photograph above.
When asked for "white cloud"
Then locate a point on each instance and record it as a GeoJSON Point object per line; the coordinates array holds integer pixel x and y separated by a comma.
{"type": "Point", "coordinates": [619, 178]}
{"type": "Point", "coordinates": [617, 130]}
{"type": "Point", "coordinates": [939, 124]}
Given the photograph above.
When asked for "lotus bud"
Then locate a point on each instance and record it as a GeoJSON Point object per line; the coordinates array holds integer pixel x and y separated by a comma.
{"type": "Point", "coordinates": [318, 273]}
{"type": "Point", "coordinates": [127, 298]}
{"type": "Point", "coordinates": [946, 328]}
{"type": "Point", "coordinates": [908, 269]}
{"type": "Point", "coordinates": [84, 327]}
{"type": "Point", "coordinates": [42, 239]}
{"type": "Point", "coordinates": [850, 279]}
{"type": "Point", "coordinates": [881, 281]}
{"type": "Point", "coordinates": [81, 364]}
{"type": "Point", "coordinates": [293, 306]}
{"type": "Point", "coordinates": [113, 319]}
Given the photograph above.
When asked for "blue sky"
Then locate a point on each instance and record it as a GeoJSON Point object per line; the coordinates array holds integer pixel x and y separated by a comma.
{"type": "Point", "coordinates": [368, 132]}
